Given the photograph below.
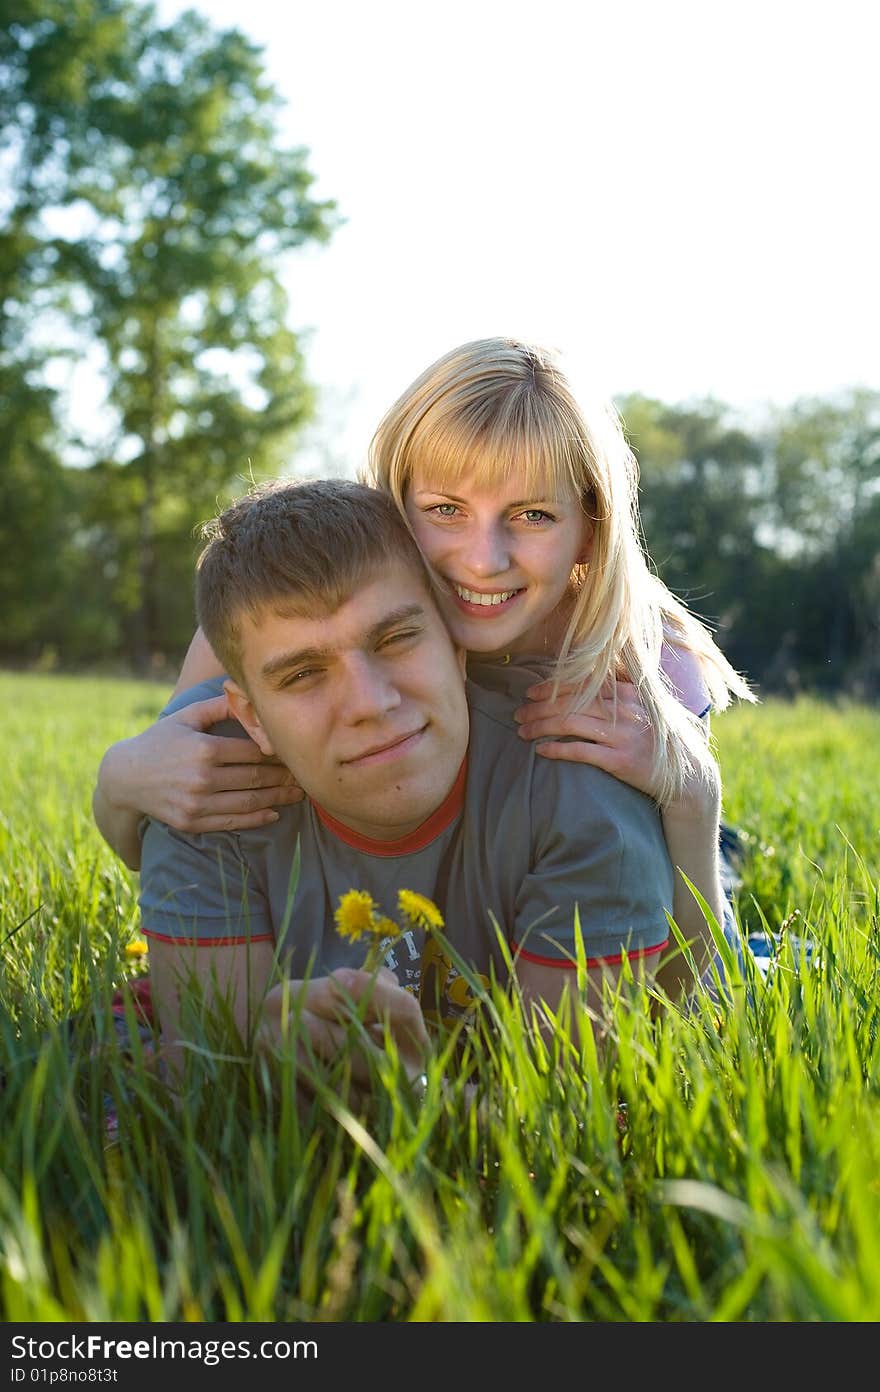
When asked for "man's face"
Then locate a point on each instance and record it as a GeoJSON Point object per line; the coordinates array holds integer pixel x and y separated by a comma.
{"type": "Point", "coordinates": [365, 705]}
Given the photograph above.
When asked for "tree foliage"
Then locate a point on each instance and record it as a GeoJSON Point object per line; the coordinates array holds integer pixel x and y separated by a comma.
{"type": "Point", "coordinates": [153, 206]}
{"type": "Point", "coordinates": [771, 534]}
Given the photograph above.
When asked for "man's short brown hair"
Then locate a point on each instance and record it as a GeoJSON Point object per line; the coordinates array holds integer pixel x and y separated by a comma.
{"type": "Point", "coordinates": [295, 548]}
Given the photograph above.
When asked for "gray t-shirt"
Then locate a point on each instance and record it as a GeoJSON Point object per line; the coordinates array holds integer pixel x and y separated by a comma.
{"type": "Point", "coordinates": [520, 847]}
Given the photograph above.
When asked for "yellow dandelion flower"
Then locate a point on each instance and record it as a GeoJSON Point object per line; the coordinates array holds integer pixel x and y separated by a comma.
{"type": "Point", "coordinates": [385, 928]}
{"type": "Point", "coordinates": [419, 909]}
{"type": "Point", "coordinates": [355, 915]}
{"type": "Point", "coordinates": [138, 948]}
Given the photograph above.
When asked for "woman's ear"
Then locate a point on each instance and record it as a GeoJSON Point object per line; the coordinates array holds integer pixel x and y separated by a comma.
{"type": "Point", "coordinates": [243, 709]}
{"type": "Point", "coordinates": [585, 554]}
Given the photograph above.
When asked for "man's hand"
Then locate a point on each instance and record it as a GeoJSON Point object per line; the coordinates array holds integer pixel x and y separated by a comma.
{"type": "Point", "coordinates": [323, 1010]}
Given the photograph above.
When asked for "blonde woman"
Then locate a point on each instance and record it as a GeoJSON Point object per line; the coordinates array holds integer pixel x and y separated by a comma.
{"type": "Point", "coordinates": [496, 462]}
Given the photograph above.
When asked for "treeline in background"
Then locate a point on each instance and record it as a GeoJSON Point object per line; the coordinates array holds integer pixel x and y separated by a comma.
{"type": "Point", "coordinates": [147, 206]}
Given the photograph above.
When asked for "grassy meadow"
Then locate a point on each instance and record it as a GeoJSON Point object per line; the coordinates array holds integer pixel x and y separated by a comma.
{"type": "Point", "coordinates": [723, 1165]}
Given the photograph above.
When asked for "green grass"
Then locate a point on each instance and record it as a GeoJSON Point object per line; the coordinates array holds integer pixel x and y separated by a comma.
{"type": "Point", "coordinates": [721, 1166]}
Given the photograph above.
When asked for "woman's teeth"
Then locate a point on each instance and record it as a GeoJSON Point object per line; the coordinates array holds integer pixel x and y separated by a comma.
{"type": "Point", "coordinates": [472, 597]}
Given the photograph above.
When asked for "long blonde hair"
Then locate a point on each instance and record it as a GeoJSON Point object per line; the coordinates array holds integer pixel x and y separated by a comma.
{"type": "Point", "coordinates": [499, 405]}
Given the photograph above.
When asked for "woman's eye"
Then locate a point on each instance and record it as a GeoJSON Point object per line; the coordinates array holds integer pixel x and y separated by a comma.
{"type": "Point", "coordinates": [444, 509]}
{"type": "Point", "coordinates": [536, 515]}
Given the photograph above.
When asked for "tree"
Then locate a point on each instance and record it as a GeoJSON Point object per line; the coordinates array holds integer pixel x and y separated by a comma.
{"type": "Point", "coordinates": [34, 517]}
{"type": "Point", "coordinates": [774, 536]}
{"type": "Point", "coordinates": [162, 145]}
{"type": "Point", "coordinates": [700, 489]}
{"type": "Point", "coordinates": [826, 499]}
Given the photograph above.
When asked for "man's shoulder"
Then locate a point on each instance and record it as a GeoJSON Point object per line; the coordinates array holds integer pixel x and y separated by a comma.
{"type": "Point", "coordinates": [548, 800]}
{"type": "Point", "coordinates": [582, 816]}
{"type": "Point", "coordinates": [214, 879]}
{"type": "Point", "coordinates": [494, 734]}
{"type": "Point", "coordinates": [202, 691]}
{"type": "Point", "coordinates": [206, 691]}
{"type": "Point", "coordinates": [494, 747]}
{"type": "Point", "coordinates": [492, 708]}
{"type": "Point", "coordinates": [584, 791]}
{"type": "Point", "coordinates": [576, 794]}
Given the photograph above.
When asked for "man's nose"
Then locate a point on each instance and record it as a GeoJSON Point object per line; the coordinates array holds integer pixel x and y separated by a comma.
{"type": "Point", "coordinates": [489, 551]}
{"type": "Point", "coordinates": [369, 690]}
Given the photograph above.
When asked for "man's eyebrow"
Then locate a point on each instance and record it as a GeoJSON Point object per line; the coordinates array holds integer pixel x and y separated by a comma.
{"type": "Point", "coordinates": [397, 616]}
{"type": "Point", "coordinates": [284, 661]}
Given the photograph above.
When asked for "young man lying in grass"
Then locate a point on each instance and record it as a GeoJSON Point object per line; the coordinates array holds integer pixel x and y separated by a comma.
{"type": "Point", "coordinates": [316, 599]}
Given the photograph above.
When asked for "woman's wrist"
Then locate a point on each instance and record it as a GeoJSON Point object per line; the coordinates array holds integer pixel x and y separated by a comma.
{"type": "Point", "coordinates": [114, 782]}
{"type": "Point", "coordinates": [699, 801]}
{"type": "Point", "coordinates": [117, 822]}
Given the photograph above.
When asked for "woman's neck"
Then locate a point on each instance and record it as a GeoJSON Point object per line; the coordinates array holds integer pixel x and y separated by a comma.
{"type": "Point", "coordinates": [543, 640]}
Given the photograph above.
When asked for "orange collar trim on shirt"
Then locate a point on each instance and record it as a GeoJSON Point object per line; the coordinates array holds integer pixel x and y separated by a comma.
{"type": "Point", "coordinates": [416, 840]}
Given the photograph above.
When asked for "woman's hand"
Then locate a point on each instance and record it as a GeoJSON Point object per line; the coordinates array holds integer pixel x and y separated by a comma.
{"type": "Point", "coordinates": [611, 734]}
{"type": "Point", "coordinates": [194, 781]}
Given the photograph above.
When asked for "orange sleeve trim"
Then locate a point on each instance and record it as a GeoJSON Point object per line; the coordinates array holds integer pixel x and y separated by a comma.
{"type": "Point", "coordinates": [613, 959]}
{"type": "Point", "coordinates": [208, 942]}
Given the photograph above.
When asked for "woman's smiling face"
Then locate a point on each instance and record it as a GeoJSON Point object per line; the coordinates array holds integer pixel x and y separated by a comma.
{"type": "Point", "coordinates": [506, 554]}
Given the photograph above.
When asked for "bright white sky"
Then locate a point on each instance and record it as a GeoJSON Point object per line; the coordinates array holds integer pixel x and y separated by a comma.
{"type": "Point", "coordinates": [681, 195]}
